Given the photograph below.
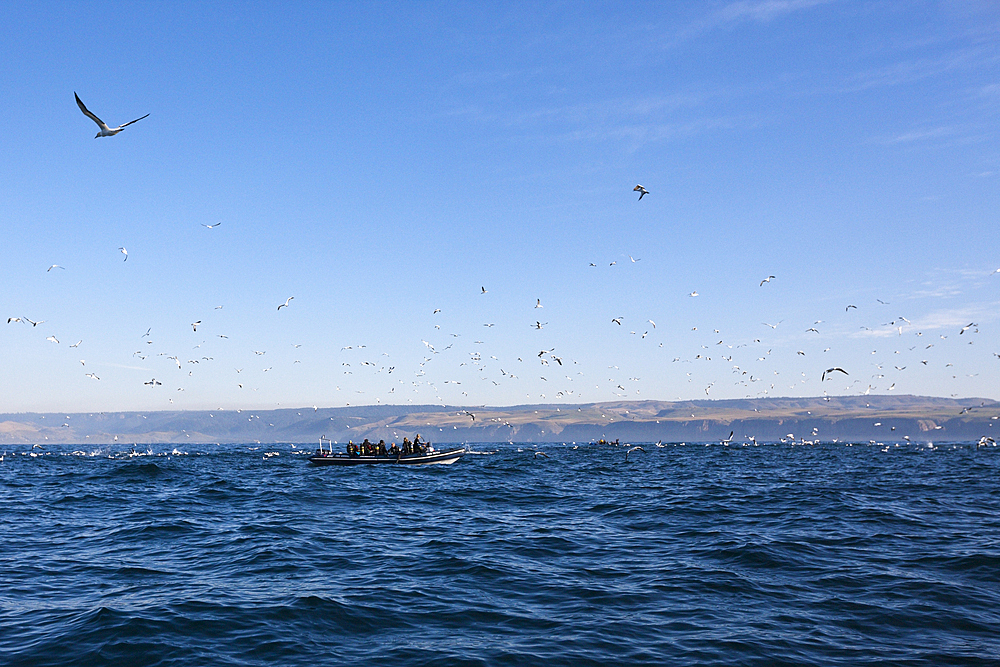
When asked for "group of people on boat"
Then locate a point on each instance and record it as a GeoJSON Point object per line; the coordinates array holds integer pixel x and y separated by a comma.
{"type": "Point", "coordinates": [368, 448]}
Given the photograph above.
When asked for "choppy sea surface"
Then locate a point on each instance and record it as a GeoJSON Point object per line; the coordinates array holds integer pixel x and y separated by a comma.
{"type": "Point", "coordinates": [683, 554]}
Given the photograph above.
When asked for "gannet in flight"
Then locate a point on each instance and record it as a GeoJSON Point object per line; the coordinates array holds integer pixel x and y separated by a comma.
{"type": "Point", "coordinates": [105, 130]}
{"type": "Point", "coordinates": [641, 190]}
{"type": "Point", "coordinates": [831, 370]}
{"type": "Point", "coordinates": [629, 451]}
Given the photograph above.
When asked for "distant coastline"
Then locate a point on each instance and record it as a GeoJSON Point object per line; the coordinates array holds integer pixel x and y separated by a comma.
{"type": "Point", "coordinates": [858, 418]}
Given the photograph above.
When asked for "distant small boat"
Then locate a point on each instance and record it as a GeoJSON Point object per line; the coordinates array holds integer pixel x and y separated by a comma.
{"type": "Point", "coordinates": [425, 458]}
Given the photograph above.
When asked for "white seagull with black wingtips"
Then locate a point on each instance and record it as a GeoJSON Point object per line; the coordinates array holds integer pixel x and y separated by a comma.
{"type": "Point", "coordinates": [105, 130]}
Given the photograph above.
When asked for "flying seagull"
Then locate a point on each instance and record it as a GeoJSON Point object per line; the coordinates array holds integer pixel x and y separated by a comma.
{"type": "Point", "coordinates": [211, 226]}
{"type": "Point", "coordinates": [285, 304]}
{"type": "Point", "coordinates": [641, 190]}
{"type": "Point", "coordinates": [627, 452]}
{"type": "Point", "coordinates": [124, 252]}
{"type": "Point", "coordinates": [105, 130]}
{"type": "Point", "coordinates": [766, 280]}
{"type": "Point", "coordinates": [831, 370]}
{"type": "Point", "coordinates": [55, 266]}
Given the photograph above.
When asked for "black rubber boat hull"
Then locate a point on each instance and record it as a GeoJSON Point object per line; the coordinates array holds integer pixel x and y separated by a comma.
{"type": "Point", "coordinates": [434, 458]}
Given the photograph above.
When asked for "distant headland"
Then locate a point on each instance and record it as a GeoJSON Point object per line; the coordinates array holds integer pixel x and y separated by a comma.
{"type": "Point", "coordinates": [859, 418]}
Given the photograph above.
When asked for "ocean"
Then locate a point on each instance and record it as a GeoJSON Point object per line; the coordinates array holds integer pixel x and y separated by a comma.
{"type": "Point", "coordinates": [683, 554]}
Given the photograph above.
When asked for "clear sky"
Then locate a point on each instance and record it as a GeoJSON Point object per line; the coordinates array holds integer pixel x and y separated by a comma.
{"type": "Point", "coordinates": [381, 161]}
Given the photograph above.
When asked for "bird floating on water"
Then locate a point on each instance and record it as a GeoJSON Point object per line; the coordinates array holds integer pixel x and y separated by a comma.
{"type": "Point", "coordinates": [105, 130]}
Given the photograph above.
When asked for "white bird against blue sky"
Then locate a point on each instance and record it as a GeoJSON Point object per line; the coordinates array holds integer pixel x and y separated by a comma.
{"type": "Point", "coordinates": [105, 130]}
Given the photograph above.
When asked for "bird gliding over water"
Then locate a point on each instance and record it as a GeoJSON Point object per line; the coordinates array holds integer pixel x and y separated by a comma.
{"type": "Point", "coordinates": [105, 130]}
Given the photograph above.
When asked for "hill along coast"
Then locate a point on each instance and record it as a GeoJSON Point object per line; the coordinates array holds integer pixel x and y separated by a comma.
{"type": "Point", "coordinates": [860, 419]}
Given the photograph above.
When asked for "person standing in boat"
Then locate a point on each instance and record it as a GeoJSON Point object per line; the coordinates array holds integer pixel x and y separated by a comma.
{"type": "Point", "coordinates": [381, 448]}
{"type": "Point", "coordinates": [407, 447]}
{"type": "Point", "coordinates": [417, 449]}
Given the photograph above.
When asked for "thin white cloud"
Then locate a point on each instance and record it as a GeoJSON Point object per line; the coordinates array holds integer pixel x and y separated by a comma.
{"type": "Point", "coordinates": [911, 71]}
{"type": "Point", "coordinates": [956, 318]}
{"type": "Point", "coordinates": [919, 135]}
{"type": "Point", "coordinates": [742, 11]}
{"type": "Point", "coordinates": [762, 11]}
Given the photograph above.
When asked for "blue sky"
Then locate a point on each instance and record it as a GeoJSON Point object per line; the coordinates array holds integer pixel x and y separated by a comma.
{"type": "Point", "coordinates": [381, 161]}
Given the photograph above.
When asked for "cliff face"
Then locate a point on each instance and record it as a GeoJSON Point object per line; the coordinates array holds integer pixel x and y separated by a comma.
{"type": "Point", "coordinates": [882, 418]}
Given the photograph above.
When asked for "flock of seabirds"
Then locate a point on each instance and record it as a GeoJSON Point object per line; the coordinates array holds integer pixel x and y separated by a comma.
{"type": "Point", "coordinates": [546, 358]}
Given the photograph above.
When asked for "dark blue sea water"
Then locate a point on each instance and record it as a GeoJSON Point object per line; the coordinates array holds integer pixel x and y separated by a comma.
{"type": "Point", "coordinates": [829, 554]}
